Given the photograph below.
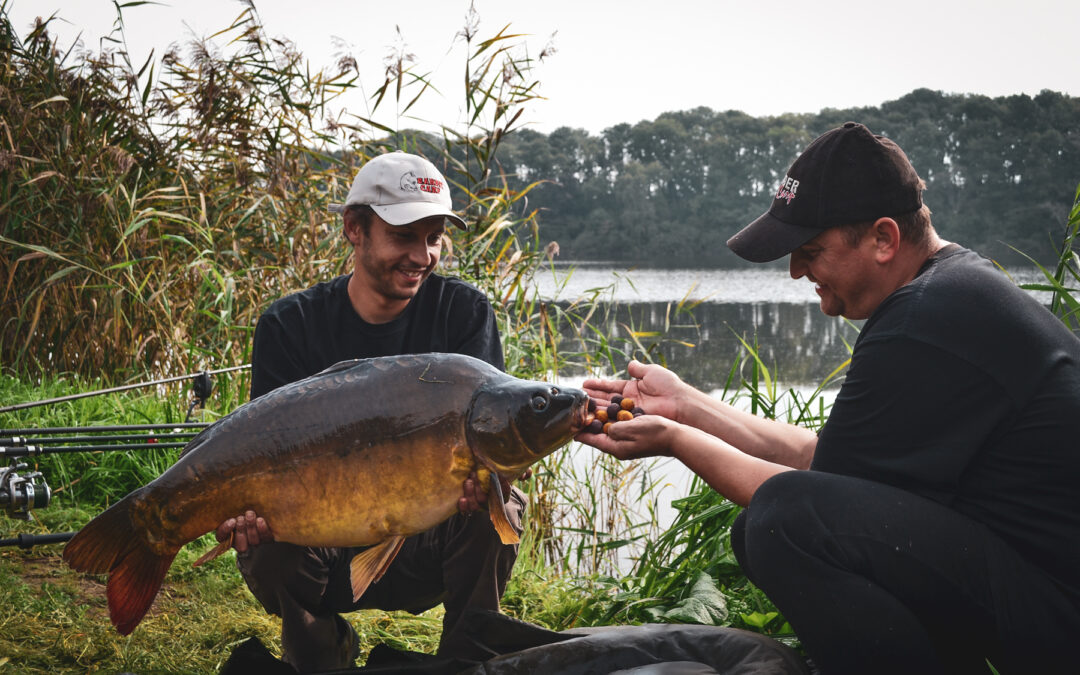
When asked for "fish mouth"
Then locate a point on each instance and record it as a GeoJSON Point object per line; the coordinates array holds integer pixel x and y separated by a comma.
{"type": "Point", "coordinates": [581, 414]}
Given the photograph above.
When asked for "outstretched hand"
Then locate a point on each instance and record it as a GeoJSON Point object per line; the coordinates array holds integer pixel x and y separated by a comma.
{"type": "Point", "coordinates": [654, 388]}
{"type": "Point", "coordinates": [247, 530]}
{"type": "Point", "coordinates": [643, 436]}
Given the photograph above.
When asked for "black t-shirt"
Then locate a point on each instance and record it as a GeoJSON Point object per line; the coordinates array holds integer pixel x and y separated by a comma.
{"type": "Point", "coordinates": [306, 332]}
{"type": "Point", "coordinates": [964, 389]}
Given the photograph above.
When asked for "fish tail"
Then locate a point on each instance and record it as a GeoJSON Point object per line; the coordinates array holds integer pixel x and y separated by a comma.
{"type": "Point", "coordinates": [133, 585]}
{"type": "Point", "coordinates": [110, 544]}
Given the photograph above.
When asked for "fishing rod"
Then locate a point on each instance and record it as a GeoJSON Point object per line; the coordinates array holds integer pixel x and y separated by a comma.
{"type": "Point", "coordinates": [20, 493]}
{"type": "Point", "coordinates": [202, 384]}
{"type": "Point", "coordinates": [31, 450]}
{"type": "Point", "coordinates": [30, 540]}
{"type": "Point", "coordinates": [116, 427]}
{"type": "Point", "coordinates": [38, 441]}
{"type": "Point", "coordinates": [23, 438]}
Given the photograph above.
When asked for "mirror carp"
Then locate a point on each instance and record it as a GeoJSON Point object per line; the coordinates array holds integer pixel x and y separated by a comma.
{"type": "Point", "coordinates": [367, 452]}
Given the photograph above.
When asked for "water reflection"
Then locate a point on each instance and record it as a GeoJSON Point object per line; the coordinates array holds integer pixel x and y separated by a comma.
{"type": "Point", "coordinates": [800, 345]}
{"type": "Point", "coordinates": [761, 304]}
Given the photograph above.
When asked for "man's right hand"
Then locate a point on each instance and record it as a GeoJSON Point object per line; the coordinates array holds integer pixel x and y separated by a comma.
{"type": "Point", "coordinates": [247, 530]}
{"type": "Point", "coordinates": [655, 389]}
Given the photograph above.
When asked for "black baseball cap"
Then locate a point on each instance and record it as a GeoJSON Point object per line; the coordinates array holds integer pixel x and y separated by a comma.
{"type": "Point", "coordinates": [845, 176]}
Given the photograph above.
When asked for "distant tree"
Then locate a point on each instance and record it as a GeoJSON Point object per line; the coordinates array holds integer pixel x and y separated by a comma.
{"type": "Point", "coordinates": [1000, 173]}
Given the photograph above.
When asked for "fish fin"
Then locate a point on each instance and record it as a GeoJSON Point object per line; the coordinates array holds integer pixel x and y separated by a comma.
{"type": "Point", "coordinates": [221, 547]}
{"type": "Point", "coordinates": [370, 565]}
{"type": "Point", "coordinates": [110, 544]}
{"type": "Point", "coordinates": [497, 509]}
{"type": "Point", "coordinates": [101, 542]}
{"type": "Point", "coordinates": [133, 585]}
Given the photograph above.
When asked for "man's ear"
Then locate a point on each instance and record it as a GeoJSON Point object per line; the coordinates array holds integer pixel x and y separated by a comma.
{"type": "Point", "coordinates": [886, 234]}
{"type": "Point", "coordinates": [351, 226]}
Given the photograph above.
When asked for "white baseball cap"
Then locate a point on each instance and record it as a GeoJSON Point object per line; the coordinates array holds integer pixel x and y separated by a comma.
{"type": "Point", "coordinates": [402, 189]}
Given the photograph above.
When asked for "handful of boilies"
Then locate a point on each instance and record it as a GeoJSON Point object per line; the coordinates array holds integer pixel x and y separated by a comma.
{"type": "Point", "coordinates": [619, 410]}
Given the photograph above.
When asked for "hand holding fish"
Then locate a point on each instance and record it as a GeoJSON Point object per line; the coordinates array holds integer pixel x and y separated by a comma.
{"type": "Point", "coordinates": [246, 531]}
{"type": "Point", "coordinates": [654, 388]}
{"type": "Point", "coordinates": [474, 497]}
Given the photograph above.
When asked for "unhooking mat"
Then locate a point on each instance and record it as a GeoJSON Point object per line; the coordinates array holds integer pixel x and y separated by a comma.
{"type": "Point", "coordinates": [650, 649]}
{"type": "Point", "coordinates": [520, 648]}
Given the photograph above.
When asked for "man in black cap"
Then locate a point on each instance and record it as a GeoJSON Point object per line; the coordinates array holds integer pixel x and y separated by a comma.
{"type": "Point", "coordinates": [938, 524]}
{"type": "Point", "coordinates": [394, 218]}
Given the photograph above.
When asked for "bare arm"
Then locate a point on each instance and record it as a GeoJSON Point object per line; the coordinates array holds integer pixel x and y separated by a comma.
{"type": "Point", "coordinates": [660, 392]}
{"type": "Point", "coordinates": [734, 474]}
{"type": "Point", "coordinates": [773, 441]}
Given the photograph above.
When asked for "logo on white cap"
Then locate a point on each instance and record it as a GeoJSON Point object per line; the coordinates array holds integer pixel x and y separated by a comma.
{"type": "Point", "coordinates": [408, 182]}
{"type": "Point", "coordinates": [401, 188]}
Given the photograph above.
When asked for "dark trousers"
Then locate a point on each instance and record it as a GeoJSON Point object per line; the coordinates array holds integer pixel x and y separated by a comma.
{"type": "Point", "coordinates": [877, 580]}
{"type": "Point", "coordinates": [460, 563]}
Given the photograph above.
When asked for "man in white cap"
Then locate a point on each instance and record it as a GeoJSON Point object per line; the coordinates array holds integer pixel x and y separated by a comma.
{"type": "Point", "coordinates": [934, 522]}
{"type": "Point", "coordinates": [393, 303]}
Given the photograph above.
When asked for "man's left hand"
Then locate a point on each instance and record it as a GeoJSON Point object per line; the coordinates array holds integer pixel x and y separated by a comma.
{"type": "Point", "coordinates": [474, 498]}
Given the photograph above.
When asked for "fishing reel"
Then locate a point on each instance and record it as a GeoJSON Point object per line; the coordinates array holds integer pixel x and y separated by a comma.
{"type": "Point", "coordinates": [21, 494]}
{"type": "Point", "coordinates": [201, 388]}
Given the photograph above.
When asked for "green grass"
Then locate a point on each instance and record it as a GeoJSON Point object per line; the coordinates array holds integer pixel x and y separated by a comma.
{"type": "Point", "coordinates": [57, 620]}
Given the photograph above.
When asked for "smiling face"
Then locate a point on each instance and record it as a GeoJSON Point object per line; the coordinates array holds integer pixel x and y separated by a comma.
{"type": "Point", "coordinates": [392, 261]}
{"type": "Point", "coordinates": [846, 276]}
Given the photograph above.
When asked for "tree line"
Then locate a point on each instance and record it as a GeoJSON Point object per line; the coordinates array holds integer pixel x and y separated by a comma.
{"type": "Point", "coordinates": [1001, 174]}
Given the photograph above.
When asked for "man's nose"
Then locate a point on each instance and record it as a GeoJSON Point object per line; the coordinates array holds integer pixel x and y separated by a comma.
{"type": "Point", "coordinates": [797, 265]}
{"type": "Point", "coordinates": [422, 253]}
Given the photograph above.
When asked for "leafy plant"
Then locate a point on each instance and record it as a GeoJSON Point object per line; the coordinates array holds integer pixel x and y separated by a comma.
{"type": "Point", "coordinates": [1062, 281]}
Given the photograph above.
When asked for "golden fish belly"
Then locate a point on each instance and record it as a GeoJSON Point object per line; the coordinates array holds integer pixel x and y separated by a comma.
{"type": "Point", "coordinates": [398, 487]}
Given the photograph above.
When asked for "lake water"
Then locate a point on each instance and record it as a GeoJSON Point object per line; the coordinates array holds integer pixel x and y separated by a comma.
{"type": "Point", "coordinates": [762, 306]}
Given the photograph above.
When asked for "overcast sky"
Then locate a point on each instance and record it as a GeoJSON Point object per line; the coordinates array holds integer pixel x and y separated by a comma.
{"type": "Point", "coordinates": [628, 60]}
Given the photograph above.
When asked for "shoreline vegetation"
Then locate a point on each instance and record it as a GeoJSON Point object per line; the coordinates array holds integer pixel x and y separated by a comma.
{"type": "Point", "coordinates": [149, 212]}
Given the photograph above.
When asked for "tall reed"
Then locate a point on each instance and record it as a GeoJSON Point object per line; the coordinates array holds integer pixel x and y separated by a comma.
{"type": "Point", "coordinates": [151, 211]}
{"type": "Point", "coordinates": [1063, 282]}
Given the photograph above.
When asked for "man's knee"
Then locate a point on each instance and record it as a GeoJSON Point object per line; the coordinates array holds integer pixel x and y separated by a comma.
{"type": "Point", "coordinates": [271, 563]}
{"type": "Point", "coordinates": [275, 568]}
{"type": "Point", "coordinates": [783, 514]}
{"type": "Point", "coordinates": [784, 500]}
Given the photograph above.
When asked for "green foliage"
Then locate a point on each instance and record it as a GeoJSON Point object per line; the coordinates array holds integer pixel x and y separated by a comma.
{"type": "Point", "coordinates": [1062, 281]}
{"type": "Point", "coordinates": [673, 189]}
{"type": "Point", "coordinates": [148, 216]}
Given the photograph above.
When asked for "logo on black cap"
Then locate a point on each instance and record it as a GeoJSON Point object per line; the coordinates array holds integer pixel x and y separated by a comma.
{"type": "Point", "coordinates": [787, 189]}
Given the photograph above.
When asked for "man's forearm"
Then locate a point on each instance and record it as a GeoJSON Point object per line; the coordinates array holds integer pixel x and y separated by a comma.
{"type": "Point", "coordinates": [769, 440]}
{"type": "Point", "coordinates": [734, 474]}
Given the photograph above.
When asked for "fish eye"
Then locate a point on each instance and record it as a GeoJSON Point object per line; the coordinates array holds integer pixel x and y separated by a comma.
{"type": "Point", "coordinates": [539, 402]}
